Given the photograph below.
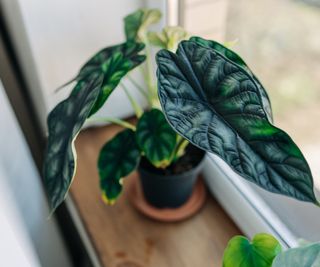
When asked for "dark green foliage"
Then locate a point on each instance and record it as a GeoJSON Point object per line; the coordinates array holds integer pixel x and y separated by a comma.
{"type": "Point", "coordinates": [113, 63]}
{"type": "Point", "coordinates": [64, 124]}
{"type": "Point", "coordinates": [156, 138]}
{"type": "Point", "coordinates": [118, 158]}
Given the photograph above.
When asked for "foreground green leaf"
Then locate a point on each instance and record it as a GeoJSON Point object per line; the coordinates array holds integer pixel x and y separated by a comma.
{"type": "Point", "coordinates": [307, 256]}
{"type": "Point", "coordinates": [118, 158]}
{"type": "Point", "coordinates": [235, 58]}
{"type": "Point", "coordinates": [156, 138]}
{"type": "Point", "coordinates": [137, 23]}
{"type": "Point", "coordinates": [261, 252]}
{"type": "Point", "coordinates": [217, 105]}
{"type": "Point", "coordinates": [64, 124]}
{"type": "Point", "coordinates": [113, 63]}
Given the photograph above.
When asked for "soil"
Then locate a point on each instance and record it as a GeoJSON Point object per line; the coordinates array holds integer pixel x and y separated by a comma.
{"type": "Point", "coordinates": [189, 160]}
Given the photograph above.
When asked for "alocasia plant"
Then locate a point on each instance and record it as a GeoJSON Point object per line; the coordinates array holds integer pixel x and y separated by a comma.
{"type": "Point", "coordinates": [209, 96]}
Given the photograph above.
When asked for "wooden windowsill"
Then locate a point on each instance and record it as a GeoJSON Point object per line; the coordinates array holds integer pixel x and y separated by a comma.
{"type": "Point", "coordinates": [122, 237]}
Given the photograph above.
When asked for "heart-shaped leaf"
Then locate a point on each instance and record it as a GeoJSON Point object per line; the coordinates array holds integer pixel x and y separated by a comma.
{"type": "Point", "coordinates": [217, 105]}
{"type": "Point", "coordinates": [169, 38]}
{"type": "Point", "coordinates": [306, 256]}
{"type": "Point", "coordinates": [261, 252]}
{"type": "Point", "coordinates": [235, 58]}
{"type": "Point", "coordinates": [113, 63]}
{"type": "Point", "coordinates": [156, 138]}
{"type": "Point", "coordinates": [118, 158]}
{"type": "Point", "coordinates": [64, 124]}
{"type": "Point", "coordinates": [137, 23]}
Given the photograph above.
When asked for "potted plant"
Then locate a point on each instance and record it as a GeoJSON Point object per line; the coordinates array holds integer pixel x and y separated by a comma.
{"type": "Point", "coordinates": [210, 98]}
{"type": "Point", "coordinates": [168, 165]}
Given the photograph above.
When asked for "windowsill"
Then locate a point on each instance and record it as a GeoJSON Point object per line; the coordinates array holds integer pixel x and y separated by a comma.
{"type": "Point", "coordinates": [115, 235]}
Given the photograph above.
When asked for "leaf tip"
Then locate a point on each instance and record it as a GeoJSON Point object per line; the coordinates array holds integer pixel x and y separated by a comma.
{"type": "Point", "coordinates": [108, 201]}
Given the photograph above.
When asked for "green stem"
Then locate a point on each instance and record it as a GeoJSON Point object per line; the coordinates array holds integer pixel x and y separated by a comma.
{"type": "Point", "coordinates": [137, 109]}
{"type": "Point", "coordinates": [119, 122]}
{"type": "Point", "coordinates": [180, 147]}
{"type": "Point", "coordinates": [149, 71]}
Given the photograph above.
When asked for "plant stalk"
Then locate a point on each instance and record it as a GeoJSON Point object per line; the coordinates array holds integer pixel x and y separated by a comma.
{"type": "Point", "coordinates": [117, 121]}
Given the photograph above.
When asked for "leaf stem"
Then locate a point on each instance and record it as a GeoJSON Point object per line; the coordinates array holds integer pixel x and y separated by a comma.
{"type": "Point", "coordinates": [148, 74]}
{"type": "Point", "coordinates": [117, 121]}
{"type": "Point", "coordinates": [180, 147]}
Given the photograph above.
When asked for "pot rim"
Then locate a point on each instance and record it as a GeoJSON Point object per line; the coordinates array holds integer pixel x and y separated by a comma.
{"type": "Point", "coordinates": [171, 176]}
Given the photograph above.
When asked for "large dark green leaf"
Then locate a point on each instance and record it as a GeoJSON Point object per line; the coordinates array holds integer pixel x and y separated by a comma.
{"type": "Point", "coordinates": [156, 138]}
{"type": "Point", "coordinates": [217, 105]}
{"type": "Point", "coordinates": [114, 63]}
{"type": "Point", "coordinates": [235, 58]}
{"type": "Point", "coordinates": [64, 124]}
{"type": "Point", "coordinates": [137, 23]}
{"type": "Point", "coordinates": [118, 157]}
{"type": "Point", "coordinates": [306, 256]}
{"type": "Point", "coordinates": [261, 252]}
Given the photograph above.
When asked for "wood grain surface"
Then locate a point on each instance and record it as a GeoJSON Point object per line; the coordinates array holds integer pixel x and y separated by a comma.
{"type": "Point", "coordinates": [122, 237]}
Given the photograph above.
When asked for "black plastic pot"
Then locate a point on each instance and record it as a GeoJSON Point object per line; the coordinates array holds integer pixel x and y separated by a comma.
{"type": "Point", "coordinates": [163, 190]}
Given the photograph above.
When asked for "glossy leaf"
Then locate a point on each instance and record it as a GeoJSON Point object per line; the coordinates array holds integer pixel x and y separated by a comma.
{"type": "Point", "coordinates": [156, 138]}
{"type": "Point", "coordinates": [64, 124]}
{"type": "Point", "coordinates": [169, 38]}
{"type": "Point", "coordinates": [261, 252]}
{"type": "Point", "coordinates": [118, 158]}
{"type": "Point", "coordinates": [113, 63]}
{"type": "Point", "coordinates": [235, 58]}
{"type": "Point", "coordinates": [217, 105]}
{"type": "Point", "coordinates": [137, 23]}
{"type": "Point", "coordinates": [307, 256]}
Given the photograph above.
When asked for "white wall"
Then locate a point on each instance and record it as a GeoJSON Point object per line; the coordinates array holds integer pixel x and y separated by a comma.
{"type": "Point", "coordinates": [15, 246]}
{"type": "Point", "coordinates": [24, 204]}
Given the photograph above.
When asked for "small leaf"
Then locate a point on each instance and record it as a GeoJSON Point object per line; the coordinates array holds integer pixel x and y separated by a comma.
{"type": "Point", "coordinates": [261, 252]}
{"type": "Point", "coordinates": [64, 124]}
{"type": "Point", "coordinates": [169, 38]}
{"type": "Point", "coordinates": [240, 62]}
{"type": "Point", "coordinates": [156, 138]}
{"type": "Point", "coordinates": [137, 23]}
{"type": "Point", "coordinates": [218, 106]}
{"type": "Point", "coordinates": [306, 256]}
{"type": "Point", "coordinates": [114, 63]}
{"type": "Point", "coordinates": [118, 158]}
